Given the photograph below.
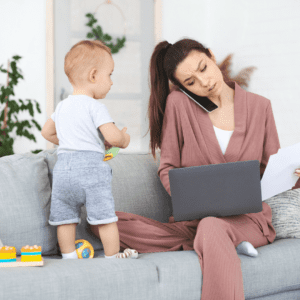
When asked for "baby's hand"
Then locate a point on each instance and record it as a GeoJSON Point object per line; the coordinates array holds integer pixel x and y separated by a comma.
{"type": "Point", "coordinates": [297, 172]}
{"type": "Point", "coordinates": [107, 145]}
{"type": "Point", "coordinates": [127, 138]}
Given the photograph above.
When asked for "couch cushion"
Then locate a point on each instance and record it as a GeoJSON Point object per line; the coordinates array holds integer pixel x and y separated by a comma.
{"type": "Point", "coordinates": [179, 272]}
{"type": "Point", "coordinates": [286, 214]}
{"type": "Point", "coordinates": [276, 269]}
{"type": "Point", "coordinates": [25, 203]}
{"type": "Point", "coordinates": [98, 278]}
{"type": "Point", "coordinates": [172, 275]}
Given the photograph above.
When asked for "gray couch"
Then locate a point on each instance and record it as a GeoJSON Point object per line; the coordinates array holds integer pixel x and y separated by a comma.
{"type": "Point", "coordinates": [25, 191]}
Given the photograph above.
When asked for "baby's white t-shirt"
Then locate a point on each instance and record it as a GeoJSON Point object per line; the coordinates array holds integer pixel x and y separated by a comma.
{"type": "Point", "coordinates": [77, 119]}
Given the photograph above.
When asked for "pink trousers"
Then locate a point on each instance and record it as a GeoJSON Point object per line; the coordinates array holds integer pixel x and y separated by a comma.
{"type": "Point", "coordinates": [214, 239]}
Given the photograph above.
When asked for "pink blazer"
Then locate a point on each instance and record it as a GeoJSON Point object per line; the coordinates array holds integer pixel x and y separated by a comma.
{"type": "Point", "coordinates": [188, 137]}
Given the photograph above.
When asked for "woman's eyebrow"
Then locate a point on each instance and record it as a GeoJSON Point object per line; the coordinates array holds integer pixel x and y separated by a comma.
{"type": "Point", "coordinates": [195, 70]}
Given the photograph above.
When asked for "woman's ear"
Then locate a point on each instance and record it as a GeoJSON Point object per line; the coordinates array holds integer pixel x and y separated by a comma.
{"type": "Point", "coordinates": [212, 56]}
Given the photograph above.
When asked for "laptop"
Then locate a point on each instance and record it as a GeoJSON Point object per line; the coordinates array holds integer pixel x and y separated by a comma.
{"type": "Point", "coordinates": [217, 190]}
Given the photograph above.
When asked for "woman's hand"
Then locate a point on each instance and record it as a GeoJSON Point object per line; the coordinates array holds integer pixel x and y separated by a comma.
{"type": "Point", "coordinates": [107, 145]}
{"type": "Point", "coordinates": [297, 172]}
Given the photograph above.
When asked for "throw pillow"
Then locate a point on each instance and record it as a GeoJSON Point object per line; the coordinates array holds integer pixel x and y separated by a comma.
{"type": "Point", "coordinates": [25, 196]}
{"type": "Point", "coordinates": [286, 214]}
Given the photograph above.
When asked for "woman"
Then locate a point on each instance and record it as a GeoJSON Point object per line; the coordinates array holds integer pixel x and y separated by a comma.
{"type": "Point", "coordinates": [243, 125]}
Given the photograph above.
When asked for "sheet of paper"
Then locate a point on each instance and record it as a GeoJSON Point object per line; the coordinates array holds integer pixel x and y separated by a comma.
{"type": "Point", "coordinates": [279, 174]}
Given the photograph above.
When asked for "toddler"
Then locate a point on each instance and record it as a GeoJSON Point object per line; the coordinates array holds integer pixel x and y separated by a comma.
{"type": "Point", "coordinates": [84, 127]}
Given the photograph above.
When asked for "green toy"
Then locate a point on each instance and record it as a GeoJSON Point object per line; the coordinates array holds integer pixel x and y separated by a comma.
{"type": "Point", "coordinates": [111, 153]}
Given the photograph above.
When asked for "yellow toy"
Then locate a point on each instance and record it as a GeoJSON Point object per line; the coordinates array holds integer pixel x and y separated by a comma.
{"type": "Point", "coordinates": [31, 253]}
{"type": "Point", "coordinates": [7, 254]}
{"type": "Point", "coordinates": [31, 256]}
{"type": "Point", "coordinates": [84, 249]}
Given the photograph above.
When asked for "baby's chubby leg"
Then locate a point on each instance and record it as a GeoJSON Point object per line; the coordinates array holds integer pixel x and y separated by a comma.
{"type": "Point", "coordinates": [66, 234]}
{"type": "Point", "coordinates": [109, 235]}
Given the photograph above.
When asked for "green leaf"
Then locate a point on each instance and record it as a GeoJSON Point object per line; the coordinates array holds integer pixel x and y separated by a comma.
{"type": "Point", "coordinates": [99, 31]}
{"type": "Point", "coordinates": [99, 35]}
{"type": "Point", "coordinates": [38, 107]}
{"type": "Point", "coordinates": [107, 37]}
{"type": "Point", "coordinates": [17, 57]}
{"type": "Point", "coordinates": [3, 71]}
{"type": "Point", "coordinates": [37, 124]}
{"type": "Point", "coordinates": [37, 151]}
{"type": "Point", "coordinates": [90, 35]}
{"type": "Point", "coordinates": [30, 108]}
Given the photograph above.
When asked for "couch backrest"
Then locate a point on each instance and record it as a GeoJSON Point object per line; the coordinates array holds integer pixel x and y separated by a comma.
{"type": "Point", "coordinates": [136, 185]}
{"type": "Point", "coordinates": [25, 197]}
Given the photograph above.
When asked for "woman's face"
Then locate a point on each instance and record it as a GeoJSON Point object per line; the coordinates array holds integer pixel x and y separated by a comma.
{"type": "Point", "coordinates": [198, 73]}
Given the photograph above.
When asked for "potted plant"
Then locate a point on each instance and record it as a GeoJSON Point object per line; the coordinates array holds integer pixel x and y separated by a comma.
{"type": "Point", "coordinates": [8, 116]}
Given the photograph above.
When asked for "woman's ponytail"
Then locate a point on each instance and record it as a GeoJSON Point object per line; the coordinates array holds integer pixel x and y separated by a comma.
{"type": "Point", "coordinates": [159, 91]}
{"type": "Point", "coordinates": [163, 64]}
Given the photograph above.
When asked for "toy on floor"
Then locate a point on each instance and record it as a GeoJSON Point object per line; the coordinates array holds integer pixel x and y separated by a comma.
{"type": "Point", "coordinates": [111, 153]}
{"type": "Point", "coordinates": [31, 256]}
{"type": "Point", "coordinates": [84, 249]}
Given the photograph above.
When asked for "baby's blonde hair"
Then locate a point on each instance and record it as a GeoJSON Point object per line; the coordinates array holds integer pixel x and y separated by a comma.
{"type": "Point", "coordinates": [81, 58]}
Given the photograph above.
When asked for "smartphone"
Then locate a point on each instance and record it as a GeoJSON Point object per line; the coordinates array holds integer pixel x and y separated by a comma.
{"type": "Point", "coordinates": [203, 102]}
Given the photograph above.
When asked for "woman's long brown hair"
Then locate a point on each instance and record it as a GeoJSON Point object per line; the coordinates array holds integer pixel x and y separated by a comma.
{"type": "Point", "coordinates": [163, 64]}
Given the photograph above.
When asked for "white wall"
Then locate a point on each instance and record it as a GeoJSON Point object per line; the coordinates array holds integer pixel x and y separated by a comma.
{"type": "Point", "coordinates": [264, 34]}
{"type": "Point", "coordinates": [129, 94]}
{"type": "Point", "coordinates": [23, 33]}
